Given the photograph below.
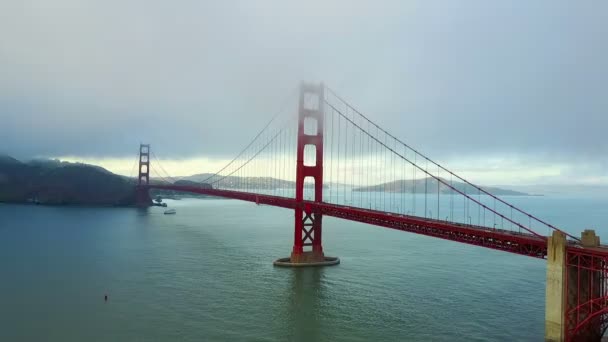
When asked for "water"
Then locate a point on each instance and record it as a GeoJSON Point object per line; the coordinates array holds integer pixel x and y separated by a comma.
{"type": "Point", "coordinates": [206, 274]}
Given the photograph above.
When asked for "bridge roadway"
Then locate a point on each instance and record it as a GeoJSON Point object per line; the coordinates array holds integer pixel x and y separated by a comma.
{"type": "Point", "coordinates": [499, 239]}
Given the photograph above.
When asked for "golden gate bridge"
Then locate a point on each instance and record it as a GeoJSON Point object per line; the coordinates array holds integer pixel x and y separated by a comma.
{"type": "Point", "coordinates": [347, 166]}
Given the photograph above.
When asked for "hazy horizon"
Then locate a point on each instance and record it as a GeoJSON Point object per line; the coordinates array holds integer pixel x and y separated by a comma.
{"type": "Point", "coordinates": [501, 93]}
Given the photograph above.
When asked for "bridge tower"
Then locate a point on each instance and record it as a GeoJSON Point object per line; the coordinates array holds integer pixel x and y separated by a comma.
{"type": "Point", "coordinates": [142, 196]}
{"type": "Point", "coordinates": [307, 247]}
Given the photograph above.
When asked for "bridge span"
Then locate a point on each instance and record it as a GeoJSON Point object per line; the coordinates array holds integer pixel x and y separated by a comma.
{"type": "Point", "coordinates": [346, 166]}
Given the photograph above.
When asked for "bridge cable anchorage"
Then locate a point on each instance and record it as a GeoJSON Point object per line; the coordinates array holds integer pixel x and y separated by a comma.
{"type": "Point", "coordinates": [257, 136]}
{"type": "Point", "coordinates": [432, 176]}
{"type": "Point", "coordinates": [532, 217]}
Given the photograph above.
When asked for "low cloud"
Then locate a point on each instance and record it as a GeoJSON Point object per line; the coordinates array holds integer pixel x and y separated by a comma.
{"type": "Point", "coordinates": [474, 81]}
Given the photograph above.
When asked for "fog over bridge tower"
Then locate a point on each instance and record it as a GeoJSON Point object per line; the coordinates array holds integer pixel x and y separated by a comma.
{"type": "Point", "coordinates": [307, 247]}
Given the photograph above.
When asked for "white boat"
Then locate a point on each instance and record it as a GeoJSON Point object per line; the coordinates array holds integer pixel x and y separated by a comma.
{"type": "Point", "coordinates": [170, 211]}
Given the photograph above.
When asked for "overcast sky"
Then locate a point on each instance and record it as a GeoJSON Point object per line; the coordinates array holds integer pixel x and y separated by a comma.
{"type": "Point", "coordinates": [505, 92]}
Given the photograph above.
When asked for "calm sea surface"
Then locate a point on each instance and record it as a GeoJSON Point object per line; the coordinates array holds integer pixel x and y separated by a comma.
{"type": "Point", "coordinates": [206, 274]}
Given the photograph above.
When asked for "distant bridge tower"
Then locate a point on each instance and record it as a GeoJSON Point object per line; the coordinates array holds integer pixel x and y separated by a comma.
{"type": "Point", "coordinates": [308, 222]}
{"type": "Point", "coordinates": [142, 198]}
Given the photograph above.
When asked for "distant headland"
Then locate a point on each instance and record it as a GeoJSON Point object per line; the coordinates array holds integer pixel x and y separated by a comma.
{"type": "Point", "coordinates": [60, 183]}
{"type": "Point", "coordinates": [430, 185]}
{"type": "Point", "coordinates": [54, 182]}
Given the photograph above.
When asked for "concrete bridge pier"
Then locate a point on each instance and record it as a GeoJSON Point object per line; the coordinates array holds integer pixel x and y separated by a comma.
{"type": "Point", "coordinates": [574, 279]}
{"type": "Point", "coordinates": [142, 197]}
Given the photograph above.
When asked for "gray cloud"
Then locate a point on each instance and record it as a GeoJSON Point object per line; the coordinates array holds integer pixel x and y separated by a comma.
{"type": "Point", "coordinates": [471, 79]}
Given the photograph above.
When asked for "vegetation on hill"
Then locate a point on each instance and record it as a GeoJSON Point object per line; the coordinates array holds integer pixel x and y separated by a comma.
{"type": "Point", "coordinates": [172, 194]}
{"type": "Point", "coordinates": [55, 182]}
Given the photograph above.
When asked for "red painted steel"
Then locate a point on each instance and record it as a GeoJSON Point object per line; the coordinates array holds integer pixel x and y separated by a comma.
{"type": "Point", "coordinates": [144, 165]}
{"type": "Point", "coordinates": [586, 291]}
{"type": "Point", "coordinates": [503, 240]}
{"type": "Point", "coordinates": [143, 178]}
{"type": "Point", "coordinates": [308, 222]}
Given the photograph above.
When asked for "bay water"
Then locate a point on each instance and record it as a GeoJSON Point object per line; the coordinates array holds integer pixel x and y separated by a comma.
{"type": "Point", "coordinates": [206, 274]}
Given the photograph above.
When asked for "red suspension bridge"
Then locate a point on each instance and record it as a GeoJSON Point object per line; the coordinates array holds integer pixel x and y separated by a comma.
{"type": "Point", "coordinates": [332, 160]}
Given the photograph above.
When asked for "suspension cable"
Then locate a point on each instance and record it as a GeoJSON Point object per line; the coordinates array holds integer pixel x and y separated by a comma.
{"type": "Point", "coordinates": [532, 217]}
{"type": "Point", "coordinates": [430, 175]}
{"type": "Point", "coordinates": [251, 158]}
{"type": "Point", "coordinates": [252, 141]}
{"type": "Point", "coordinates": [162, 168]}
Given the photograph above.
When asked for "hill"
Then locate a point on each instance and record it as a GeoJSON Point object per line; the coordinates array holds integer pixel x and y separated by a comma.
{"type": "Point", "coordinates": [235, 182]}
{"type": "Point", "coordinates": [431, 184]}
{"type": "Point", "coordinates": [56, 182]}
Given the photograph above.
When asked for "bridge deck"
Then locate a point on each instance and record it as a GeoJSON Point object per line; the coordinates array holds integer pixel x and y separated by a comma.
{"type": "Point", "coordinates": [499, 239]}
